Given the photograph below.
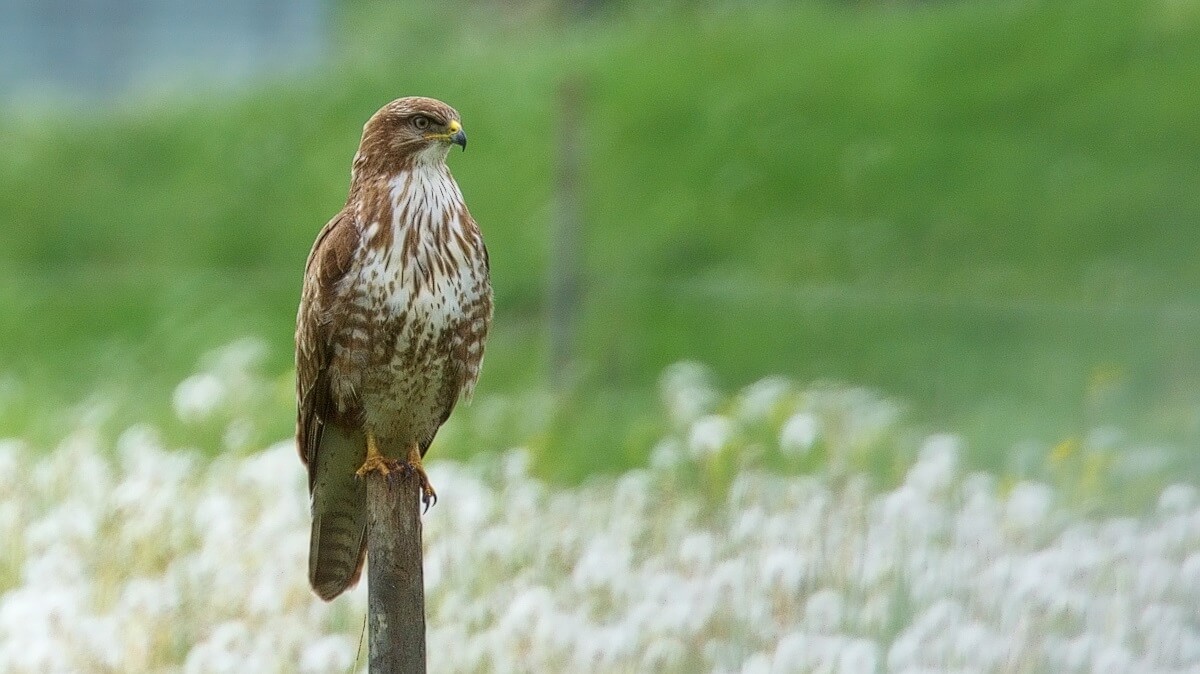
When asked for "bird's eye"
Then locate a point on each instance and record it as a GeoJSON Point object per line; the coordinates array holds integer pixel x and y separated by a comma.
{"type": "Point", "coordinates": [421, 122]}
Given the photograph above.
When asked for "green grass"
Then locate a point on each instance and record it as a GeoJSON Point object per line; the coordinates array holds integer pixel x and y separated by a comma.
{"type": "Point", "coordinates": [985, 209]}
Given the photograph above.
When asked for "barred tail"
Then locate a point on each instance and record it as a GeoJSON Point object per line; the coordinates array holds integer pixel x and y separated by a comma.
{"type": "Point", "coordinates": [338, 546]}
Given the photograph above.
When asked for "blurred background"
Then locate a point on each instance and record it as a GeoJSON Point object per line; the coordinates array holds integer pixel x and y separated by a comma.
{"type": "Point", "coordinates": [984, 210]}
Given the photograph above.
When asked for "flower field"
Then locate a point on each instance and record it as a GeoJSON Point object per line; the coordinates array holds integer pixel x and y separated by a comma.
{"type": "Point", "coordinates": [762, 538]}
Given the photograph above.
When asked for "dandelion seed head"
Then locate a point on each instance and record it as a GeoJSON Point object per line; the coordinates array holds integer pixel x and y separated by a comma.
{"type": "Point", "coordinates": [515, 465]}
{"type": "Point", "coordinates": [101, 641]}
{"type": "Point", "coordinates": [709, 435]}
{"type": "Point", "coordinates": [198, 397]}
{"type": "Point", "coordinates": [330, 653]}
{"type": "Point", "coordinates": [1177, 499]}
{"type": "Point", "coordinates": [223, 651]}
{"type": "Point", "coordinates": [759, 663]}
{"type": "Point", "coordinates": [238, 434]}
{"type": "Point", "coordinates": [760, 400]}
{"type": "Point", "coordinates": [909, 512]}
{"type": "Point", "coordinates": [799, 434]}
{"type": "Point", "coordinates": [858, 656]}
{"type": "Point", "coordinates": [1112, 659]}
{"type": "Point", "coordinates": [874, 612]}
{"type": "Point", "coordinates": [635, 572]}
{"type": "Point", "coordinates": [666, 455]}
{"type": "Point", "coordinates": [687, 392]}
{"type": "Point", "coordinates": [784, 570]}
{"type": "Point", "coordinates": [792, 653]}
{"type": "Point", "coordinates": [747, 525]}
{"type": "Point", "coordinates": [823, 612]}
{"type": "Point", "coordinates": [1189, 574]}
{"type": "Point", "coordinates": [605, 561]}
{"type": "Point", "coordinates": [1029, 505]}
{"type": "Point", "coordinates": [71, 523]}
{"type": "Point", "coordinates": [698, 550]}
{"type": "Point", "coordinates": [936, 466]}
{"type": "Point", "coordinates": [238, 358]}
{"type": "Point", "coordinates": [1154, 578]}
{"type": "Point", "coordinates": [55, 564]}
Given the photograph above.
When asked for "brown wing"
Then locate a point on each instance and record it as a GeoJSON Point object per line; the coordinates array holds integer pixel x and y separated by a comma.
{"type": "Point", "coordinates": [316, 320]}
{"type": "Point", "coordinates": [331, 453]}
{"type": "Point", "coordinates": [474, 330]}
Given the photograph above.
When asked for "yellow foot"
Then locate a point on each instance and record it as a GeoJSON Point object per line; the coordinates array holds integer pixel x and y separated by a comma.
{"type": "Point", "coordinates": [428, 495]}
{"type": "Point", "coordinates": [376, 464]}
{"type": "Point", "coordinates": [375, 461]}
{"type": "Point", "coordinates": [413, 464]}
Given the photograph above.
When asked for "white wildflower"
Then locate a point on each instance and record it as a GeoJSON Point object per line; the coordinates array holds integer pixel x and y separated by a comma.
{"type": "Point", "coordinates": [784, 570]}
{"type": "Point", "coordinates": [666, 455]}
{"type": "Point", "coordinates": [604, 562]}
{"type": "Point", "coordinates": [1029, 505]}
{"type": "Point", "coordinates": [760, 400]}
{"type": "Point", "coordinates": [1189, 574]}
{"type": "Point", "coordinates": [823, 612]}
{"type": "Point", "coordinates": [709, 435]}
{"type": "Point", "coordinates": [223, 651]}
{"type": "Point", "coordinates": [698, 550]}
{"type": "Point", "coordinates": [515, 465]}
{"type": "Point", "coordinates": [238, 357]}
{"type": "Point", "coordinates": [874, 613]}
{"type": "Point", "coordinates": [330, 653]}
{"type": "Point", "coordinates": [936, 466]}
{"type": "Point", "coordinates": [792, 653]}
{"type": "Point", "coordinates": [858, 656]}
{"type": "Point", "coordinates": [160, 560]}
{"type": "Point", "coordinates": [1154, 578]}
{"type": "Point", "coordinates": [799, 434]}
{"type": "Point", "coordinates": [238, 434]}
{"type": "Point", "coordinates": [687, 392]}
{"type": "Point", "coordinates": [1177, 499]}
{"type": "Point", "coordinates": [1112, 659]}
{"type": "Point", "coordinates": [759, 663]}
{"type": "Point", "coordinates": [663, 654]}
{"type": "Point", "coordinates": [198, 397]}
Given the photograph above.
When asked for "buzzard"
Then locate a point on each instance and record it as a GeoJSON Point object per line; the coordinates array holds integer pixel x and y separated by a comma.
{"type": "Point", "coordinates": [393, 316]}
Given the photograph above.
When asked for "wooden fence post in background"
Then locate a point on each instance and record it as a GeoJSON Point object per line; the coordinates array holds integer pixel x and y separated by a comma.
{"type": "Point", "coordinates": [566, 235]}
{"type": "Point", "coordinates": [395, 576]}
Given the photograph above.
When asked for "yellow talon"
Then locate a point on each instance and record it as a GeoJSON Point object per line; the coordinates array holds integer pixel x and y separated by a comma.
{"type": "Point", "coordinates": [428, 495]}
{"type": "Point", "coordinates": [375, 461]}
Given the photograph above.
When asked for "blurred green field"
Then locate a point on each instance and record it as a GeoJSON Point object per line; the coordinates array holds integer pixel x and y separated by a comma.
{"type": "Point", "coordinates": [986, 210]}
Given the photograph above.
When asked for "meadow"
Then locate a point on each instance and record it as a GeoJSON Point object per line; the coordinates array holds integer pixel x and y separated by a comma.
{"type": "Point", "coordinates": [143, 556]}
{"type": "Point", "coordinates": [983, 210]}
{"type": "Point", "coordinates": [887, 353]}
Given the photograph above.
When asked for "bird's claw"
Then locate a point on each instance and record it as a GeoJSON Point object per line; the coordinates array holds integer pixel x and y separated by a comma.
{"type": "Point", "coordinates": [428, 495]}
{"type": "Point", "coordinates": [378, 464]}
{"type": "Point", "coordinates": [405, 468]}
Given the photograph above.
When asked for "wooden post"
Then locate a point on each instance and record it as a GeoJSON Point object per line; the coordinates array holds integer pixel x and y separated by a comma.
{"type": "Point", "coordinates": [395, 576]}
{"type": "Point", "coordinates": [566, 235]}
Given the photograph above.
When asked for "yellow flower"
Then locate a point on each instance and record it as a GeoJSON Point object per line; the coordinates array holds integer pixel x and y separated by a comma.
{"type": "Point", "coordinates": [1064, 451]}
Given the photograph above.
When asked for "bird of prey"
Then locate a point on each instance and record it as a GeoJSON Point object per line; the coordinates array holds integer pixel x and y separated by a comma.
{"type": "Point", "coordinates": [395, 309]}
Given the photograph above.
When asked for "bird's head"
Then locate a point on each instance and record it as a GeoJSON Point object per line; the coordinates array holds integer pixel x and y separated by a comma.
{"type": "Point", "coordinates": [409, 131]}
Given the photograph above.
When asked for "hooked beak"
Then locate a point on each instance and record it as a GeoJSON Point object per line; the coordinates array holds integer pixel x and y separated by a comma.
{"type": "Point", "coordinates": [457, 135]}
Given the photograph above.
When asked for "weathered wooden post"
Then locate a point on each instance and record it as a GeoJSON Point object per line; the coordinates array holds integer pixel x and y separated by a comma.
{"type": "Point", "coordinates": [395, 575]}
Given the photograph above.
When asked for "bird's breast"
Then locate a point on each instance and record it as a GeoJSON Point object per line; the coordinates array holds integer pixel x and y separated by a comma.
{"type": "Point", "coordinates": [421, 270]}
